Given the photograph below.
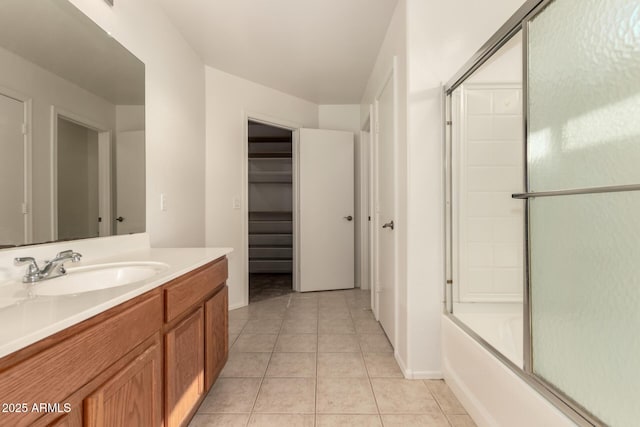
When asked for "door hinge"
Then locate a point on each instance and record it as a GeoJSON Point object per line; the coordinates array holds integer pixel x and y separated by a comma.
{"type": "Point", "coordinates": [449, 122]}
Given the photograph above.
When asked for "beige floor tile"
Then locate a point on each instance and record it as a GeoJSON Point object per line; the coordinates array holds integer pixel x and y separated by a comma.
{"type": "Point", "coordinates": [375, 343]}
{"type": "Point", "coordinates": [422, 420]}
{"type": "Point", "coordinates": [281, 420]}
{"type": "Point", "coordinates": [236, 325]}
{"type": "Point", "coordinates": [400, 396]}
{"type": "Point", "coordinates": [219, 420]}
{"type": "Point", "coordinates": [445, 397]}
{"type": "Point", "coordinates": [334, 313]}
{"type": "Point", "coordinates": [461, 421]}
{"type": "Point", "coordinates": [266, 312]}
{"type": "Point", "coordinates": [233, 395]}
{"type": "Point", "coordinates": [382, 365]}
{"type": "Point", "coordinates": [345, 396]}
{"type": "Point", "coordinates": [341, 365]}
{"type": "Point", "coordinates": [297, 343]}
{"type": "Point", "coordinates": [336, 326]}
{"type": "Point", "coordinates": [292, 365]}
{"type": "Point", "coordinates": [367, 326]}
{"type": "Point", "coordinates": [246, 365]}
{"type": "Point", "coordinates": [295, 326]}
{"type": "Point", "coordinates": [255, 343]}
{"type": "Point", "coordinates": [348, 421]}
{"type": "Point", "coordinates": [262, 326]}
{"type": "Point", "coordinates": [361, 313]}
{"type": "Point", "coordinates": [301, 315]}
{"type": "Point", "coordinates": [239, 313]}
{"type": "Point", "coordinates": [286, 395]}
{"type": "Point", "coordinates": [338, 343]}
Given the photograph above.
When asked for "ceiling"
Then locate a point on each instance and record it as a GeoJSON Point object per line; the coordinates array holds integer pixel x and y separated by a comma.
{"type": "Point", "coordinates": [59, 38]}
{"type": "Point", "coordinates": [319, 50]}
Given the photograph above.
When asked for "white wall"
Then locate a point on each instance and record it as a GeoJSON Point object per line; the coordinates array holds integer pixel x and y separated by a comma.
{"type": "Point", "coordinates": [347, 117]}
{"type": "Point", "coordinates": [174, 116]}
{"type": "Point", "coordinates": [442, 36]}
{"type": "Point", "coordinates": [395, 45]}
{"type": "Point", "coordinates": [229, 100]}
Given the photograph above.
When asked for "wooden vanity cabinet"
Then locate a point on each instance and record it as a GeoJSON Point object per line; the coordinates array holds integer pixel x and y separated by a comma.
{"type": "Point", "coordinates": [216, 328]}
{"type": "Point", "coordinates": [195, 346]}
{"type": "Point", "coordinates": [146, 362]}
{"type": "Point", "coordinates": [184, 374]}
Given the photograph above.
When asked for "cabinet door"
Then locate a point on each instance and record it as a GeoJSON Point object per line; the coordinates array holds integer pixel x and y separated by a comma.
{"type": "Point", "coordinates": [184, 367]}
{"type": "Point", "coordinates": [132, 397]}
{"type": "Point", "coordinates": [216, 335]}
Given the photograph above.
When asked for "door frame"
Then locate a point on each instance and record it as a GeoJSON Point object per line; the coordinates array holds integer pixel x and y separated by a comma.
{"type": "Point", "coordinates": [27, 197]}
{"type": "Point", "coordinates": [105, 188]}
{"type": "Point", "coordinates": [244, 198]}
{"type": "Point", "coordinates": [390, 77]}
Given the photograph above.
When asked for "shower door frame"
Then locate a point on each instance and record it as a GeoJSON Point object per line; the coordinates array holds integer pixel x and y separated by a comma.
{"type": "Point", "coordinates": [518, 22]}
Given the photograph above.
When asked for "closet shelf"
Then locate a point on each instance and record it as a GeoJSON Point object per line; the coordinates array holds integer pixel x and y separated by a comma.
{"type": "Point", "coordinates": [270, 216]}
{"type": "Point", "coordinates": [262, 139]}
{"type": "Point", "coordinates": [270, 177]}
{"type": "Point", "coordinates": [270, 266]}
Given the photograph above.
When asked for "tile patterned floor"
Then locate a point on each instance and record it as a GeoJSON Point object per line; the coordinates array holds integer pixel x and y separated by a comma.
{"type": "Point", "coordinates": [320, 359]}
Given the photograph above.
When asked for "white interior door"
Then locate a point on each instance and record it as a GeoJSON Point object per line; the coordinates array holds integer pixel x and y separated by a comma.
{"type": "Point", "coordinates": [386, 286]}
{"type": "Point", "coordinates": [326, 206]}
{"type": "Point", "coordinates": [12, 185]}
{"type": "Point", "coordinates": [130, 182]}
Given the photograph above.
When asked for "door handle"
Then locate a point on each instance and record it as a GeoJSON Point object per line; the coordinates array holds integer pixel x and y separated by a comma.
{"type": "Point", "coordinates": [388, 225]}
{"type": "Point", "coordinates": [348, 218]}
{"type": "Point", "coordinates": [119, 219]}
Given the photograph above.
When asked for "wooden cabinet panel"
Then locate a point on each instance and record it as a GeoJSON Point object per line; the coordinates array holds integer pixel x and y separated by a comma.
{"type": "Point", "coordinates": [73, 419]}
{"type": "Point", "coordinates": [184, 368]}
{"type": "Point", "coordinates": [55, 373]}
{"type": "Point", "coordinates": [216, 332]}
{"type": "Point", "coordinates": [190, 289]}
{"type": "Point", "coordinates": [132, 397]}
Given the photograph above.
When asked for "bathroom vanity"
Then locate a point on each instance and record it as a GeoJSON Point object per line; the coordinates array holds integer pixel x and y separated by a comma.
{"type": "Point", "coordinates": [148, 359]}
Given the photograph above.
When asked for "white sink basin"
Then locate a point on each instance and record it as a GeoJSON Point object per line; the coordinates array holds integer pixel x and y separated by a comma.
{"type": "Point", "coordinates": [99, 276]}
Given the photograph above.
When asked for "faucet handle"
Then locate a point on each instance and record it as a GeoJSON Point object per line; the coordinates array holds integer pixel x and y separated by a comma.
{"type": "Point", "coordinates": [69, 254]}
{"type": "Point", "coordinates": [33, 265]}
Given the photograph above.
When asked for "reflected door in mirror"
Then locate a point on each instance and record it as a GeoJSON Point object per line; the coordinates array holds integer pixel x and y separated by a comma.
{"type": "Point", "coordinates": [12, 218]}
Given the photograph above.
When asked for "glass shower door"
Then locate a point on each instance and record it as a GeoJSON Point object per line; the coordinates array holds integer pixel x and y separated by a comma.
{"type": "Point", "coordinates": [583, 66]}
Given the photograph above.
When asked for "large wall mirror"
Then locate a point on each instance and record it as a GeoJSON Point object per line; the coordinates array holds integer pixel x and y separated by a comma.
{"type": "Point", "coordinates": [72, 127]}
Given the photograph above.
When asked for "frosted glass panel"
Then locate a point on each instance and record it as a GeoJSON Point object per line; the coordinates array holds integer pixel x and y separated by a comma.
{"type": "Point", "coordinates": [585, 281]}
{"type": "Point", "coordinates": [584, 94]}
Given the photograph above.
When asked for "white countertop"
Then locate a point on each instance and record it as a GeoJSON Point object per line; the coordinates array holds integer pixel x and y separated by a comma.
{"type": "Point", "coordinates": [26, 319]}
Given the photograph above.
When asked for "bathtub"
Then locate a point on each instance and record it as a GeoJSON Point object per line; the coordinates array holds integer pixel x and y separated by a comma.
{"type": "Point", "coordinates": [491, 391]}
{"type": "Point", "coordinates": [502, 330]}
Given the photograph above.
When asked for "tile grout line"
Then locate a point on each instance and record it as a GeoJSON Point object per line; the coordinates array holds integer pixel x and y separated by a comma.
{"type": "Point", "coordinates": [367, 370]}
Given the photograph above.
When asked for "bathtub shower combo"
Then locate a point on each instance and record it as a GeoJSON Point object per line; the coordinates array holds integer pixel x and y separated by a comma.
{"type": "Point", "coordinates": [542, 147]}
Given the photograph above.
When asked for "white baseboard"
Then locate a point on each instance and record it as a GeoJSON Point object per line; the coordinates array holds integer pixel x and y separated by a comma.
{"type": "Point", "coordinates": [416, 375]}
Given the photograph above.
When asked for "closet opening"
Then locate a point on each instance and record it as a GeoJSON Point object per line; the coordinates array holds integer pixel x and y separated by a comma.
{"type": "Point", "coordinates": [270, 203]}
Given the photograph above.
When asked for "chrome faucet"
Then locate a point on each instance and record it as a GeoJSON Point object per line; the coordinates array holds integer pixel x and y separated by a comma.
{"type": "Point", "coordinates": [51, 269]}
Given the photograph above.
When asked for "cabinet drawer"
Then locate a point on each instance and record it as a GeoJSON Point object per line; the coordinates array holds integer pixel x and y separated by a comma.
{"type": "Point", "coordinates": [186, 291]}
{"type": "Point", "coordinates": [55, 373]}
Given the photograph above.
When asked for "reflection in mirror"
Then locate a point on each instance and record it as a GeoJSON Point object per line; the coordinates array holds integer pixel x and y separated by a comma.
{"type": "Point", "coordinates": [487, 224]}
{"type": "Point", "coordinates": [71, 127]}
